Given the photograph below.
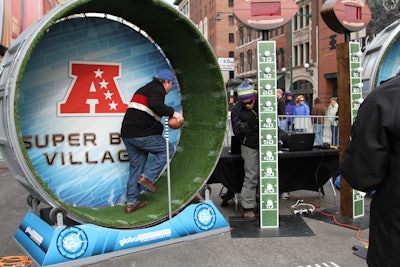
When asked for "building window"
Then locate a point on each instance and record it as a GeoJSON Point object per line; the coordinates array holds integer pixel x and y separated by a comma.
{"type": "Point", "coordinates": [232, 72]}
{"type": "Point", "coordinates": [230, 3]}
{"type": "Point", "coordinates": [332, 42]}
{"type": "Point", "coordinates": [295, 56]}
{"type": "Point", "coordinates": [241, 36]}
{"type": "Point", "coordinates": [277, 52]}
{"type": "Point", "coordinates": [301, 55]}
{"type": "Point", "coordinates": [301, 18]}
{"type": "Point", "coordinates": [280, 59]}
{"type": "Point", "coordinates": [307, 52]}
{"type": "Point", "coordinates": [231, 20]}
{"type": "Point", "coordinates": [241, 62]}
{"type": "Point", "coordinates": [249, 60]}
{"type": "Point", "coordinates": [307, 14]}
{"type": "Point", "coordinates": [249, 34]}
{"type": "Point", "coordinates": [185, 9]}
{"type": "Point", "coordinates": [231, 38]}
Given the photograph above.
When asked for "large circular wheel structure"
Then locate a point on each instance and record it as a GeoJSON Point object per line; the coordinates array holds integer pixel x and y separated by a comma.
{"type": "Point", "coordinates": [381, 57]}
{"type": "Point", "coordinates": [72, 158]}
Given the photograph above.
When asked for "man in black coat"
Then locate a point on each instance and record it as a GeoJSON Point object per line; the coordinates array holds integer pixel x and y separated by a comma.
{"type": "Point", "coordinates": [281, 105]}
{"type": "Point", "coordinates": [371, 161]}
{"type": "Point", "coordinates": [244, 117]}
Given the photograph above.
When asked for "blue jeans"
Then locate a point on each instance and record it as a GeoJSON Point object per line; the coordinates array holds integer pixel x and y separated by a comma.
{"type": "Point", "coordinates": [335, 135]}
{"type": "Point", "coordinates": [283, 125]}
{"type": "Point", "coordinates": [319, 133]}
{"type": "Point", "coordinates": [290, 125]}
{"type": "Point", "coordinates": [138, 149]}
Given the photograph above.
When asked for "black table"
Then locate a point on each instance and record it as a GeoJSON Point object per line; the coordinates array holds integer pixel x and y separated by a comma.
{"type": "Point", "coordinates": [308, 170]}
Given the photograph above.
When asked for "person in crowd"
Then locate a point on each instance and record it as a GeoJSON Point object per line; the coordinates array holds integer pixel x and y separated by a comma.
{"type": "Point", "coordinates": [332, 114]}
{"type": "Point", "coordinates": [317, 120]}
{"type": "Point", "coordinates": [281, 109]}
{"type": "Point", "coordinates": [244, 117]}
{"type": "Point", "coordinates": [301, 110]}
{"type": "Point", "coordinates": [289, 110]}
{"type": "Point", "coordinates": [141, 132]}
{"type": "Point", "coordinates": [371, 161]}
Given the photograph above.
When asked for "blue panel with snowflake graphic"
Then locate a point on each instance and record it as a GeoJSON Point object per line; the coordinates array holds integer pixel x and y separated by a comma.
{"type": "Point", "coordinates": [77, 243]}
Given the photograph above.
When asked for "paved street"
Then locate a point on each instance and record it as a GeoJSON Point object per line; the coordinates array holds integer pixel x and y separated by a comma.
{"type": "Point", "coordinates": [308, 242]}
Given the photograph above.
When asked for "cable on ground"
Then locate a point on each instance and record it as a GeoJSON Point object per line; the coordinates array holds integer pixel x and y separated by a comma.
{"type": "Point", "coordinates": [316, 209]}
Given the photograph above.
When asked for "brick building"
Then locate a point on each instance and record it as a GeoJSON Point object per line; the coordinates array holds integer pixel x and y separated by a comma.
{"type": "Point", "coordinates": [305, 47]}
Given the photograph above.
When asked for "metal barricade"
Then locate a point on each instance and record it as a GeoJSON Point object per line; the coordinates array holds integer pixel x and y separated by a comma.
{"type": "Point", "coordinates": [326, 127]}
{"type": "Point", "coordinates": [328, 130]}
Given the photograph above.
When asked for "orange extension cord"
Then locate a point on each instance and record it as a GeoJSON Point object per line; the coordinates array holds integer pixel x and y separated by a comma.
{"type": "Point", "coordinates": [15, 261]}
{"type": "Point", "coordinates": [344, 225]}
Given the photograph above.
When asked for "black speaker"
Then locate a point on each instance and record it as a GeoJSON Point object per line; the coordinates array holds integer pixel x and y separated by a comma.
{"type": "Point", "coordinates": [235, 145]}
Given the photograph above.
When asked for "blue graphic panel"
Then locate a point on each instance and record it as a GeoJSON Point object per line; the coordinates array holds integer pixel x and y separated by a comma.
{"type": "Point", "coordinates": [50, 246]}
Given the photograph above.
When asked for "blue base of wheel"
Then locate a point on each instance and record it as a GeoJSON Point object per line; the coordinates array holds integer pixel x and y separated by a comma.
{"type": "Point", "coordinates": [87, 243]}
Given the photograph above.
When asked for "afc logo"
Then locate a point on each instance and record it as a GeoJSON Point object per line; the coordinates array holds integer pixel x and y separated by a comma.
{"type": "Point", "coordinates": [93, 91]}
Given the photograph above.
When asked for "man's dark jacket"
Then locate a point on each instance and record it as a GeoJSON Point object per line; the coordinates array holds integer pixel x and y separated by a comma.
{"type": "Point", "coordinates": [139, 123]}
{"type": "Point", "coordinates": [281, 103]}
{"type": "Point", "coordinates": [371, 161]}
{"type": "Point", "coordinates": [245, 124]}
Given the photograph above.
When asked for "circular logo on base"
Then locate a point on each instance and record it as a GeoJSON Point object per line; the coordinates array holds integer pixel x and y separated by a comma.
{"type": "Point", "coordinates": [204, 216]}
{"type": "Point", "coordinates": [72, 242]}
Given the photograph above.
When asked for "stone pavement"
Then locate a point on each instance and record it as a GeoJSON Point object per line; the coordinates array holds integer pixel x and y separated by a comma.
{"type": "Point", "coordinates": [326, 245]}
